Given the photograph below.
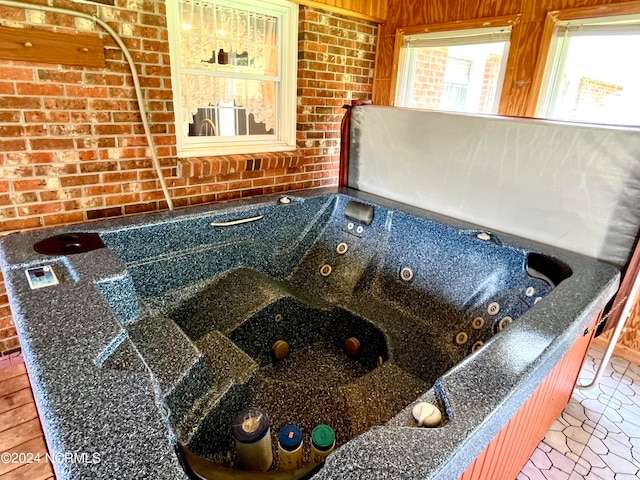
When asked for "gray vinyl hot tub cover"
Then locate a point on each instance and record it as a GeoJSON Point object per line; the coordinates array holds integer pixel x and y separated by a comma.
{"type": "Point", "coordinates": [574, 186]}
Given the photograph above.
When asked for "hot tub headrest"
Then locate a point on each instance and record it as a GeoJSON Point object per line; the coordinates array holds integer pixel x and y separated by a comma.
{"type": "Point", "coordinates": [359, 212]}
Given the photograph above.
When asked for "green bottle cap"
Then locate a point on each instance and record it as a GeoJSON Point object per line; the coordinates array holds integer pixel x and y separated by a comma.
{"type": "Point", "coordinates": [323, 437]}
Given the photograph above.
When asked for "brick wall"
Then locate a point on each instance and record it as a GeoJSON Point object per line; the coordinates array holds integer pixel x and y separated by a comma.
{"type": "Point", "coordinates": [591, 96]}
{"type": "Point", "coordinates": [428, 79]}
{"type": "Point", "coordinates": [490, 82]}
{"type": "Point", "coordinates": [336, 57]}
{"type": "Point", "coordinates": [72, 148]}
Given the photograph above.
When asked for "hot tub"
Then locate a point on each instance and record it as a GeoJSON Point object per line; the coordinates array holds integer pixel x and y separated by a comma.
{"type": "Point", "coordinates": [162, 329]}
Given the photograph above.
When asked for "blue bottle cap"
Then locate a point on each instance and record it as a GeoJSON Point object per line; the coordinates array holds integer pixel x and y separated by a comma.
{"type": "Point", "coordinates": [290, 437]}
{"type": "Point", "coordinates": [250, 425]}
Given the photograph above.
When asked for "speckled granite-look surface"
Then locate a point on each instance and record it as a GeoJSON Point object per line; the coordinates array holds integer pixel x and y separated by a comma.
{"type": "Point", "coordinates": [165, 334]}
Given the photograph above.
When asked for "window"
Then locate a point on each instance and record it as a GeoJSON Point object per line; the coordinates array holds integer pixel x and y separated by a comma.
{"type": "Point", "coordinates": [456, 84]}
{"type": "Point", "coordinates": [233, 68]}
{"type": "Point", "coordinates": [454, 70]}
{"type": "Point", "coordinates": [592, 74]}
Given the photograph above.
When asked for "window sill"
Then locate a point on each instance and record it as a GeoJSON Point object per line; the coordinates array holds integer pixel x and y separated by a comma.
{"type": "Point", "coordinates": [209, 166]}
{"type": "Point", "coordinates": [230, 148]}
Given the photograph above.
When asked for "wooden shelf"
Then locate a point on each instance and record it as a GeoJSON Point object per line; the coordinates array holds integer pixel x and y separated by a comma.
{"type": "Point", "coordinates": [40, 46]}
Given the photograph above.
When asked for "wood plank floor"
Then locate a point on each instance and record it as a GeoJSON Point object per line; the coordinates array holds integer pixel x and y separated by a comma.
{"type": "Point", "coordinates": [21, 436]}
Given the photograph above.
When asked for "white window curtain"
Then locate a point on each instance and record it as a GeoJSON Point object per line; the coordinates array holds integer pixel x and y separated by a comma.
{"type": "Point", "coordinates": [206, 30]}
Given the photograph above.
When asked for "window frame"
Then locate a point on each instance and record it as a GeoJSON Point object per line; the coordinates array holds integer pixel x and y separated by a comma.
{"type": "Point", "coordinates": [453, 27]}
{"type": "Point", "coordinates": [555, 19]}
{"type": "Point", "coordinates": [285, 137]}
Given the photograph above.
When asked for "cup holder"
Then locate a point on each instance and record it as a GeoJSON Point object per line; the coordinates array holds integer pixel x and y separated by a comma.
{"type": "Point", "coordinates": [68, 244]}
{"type": "Point", "coordinates": [66, 238]}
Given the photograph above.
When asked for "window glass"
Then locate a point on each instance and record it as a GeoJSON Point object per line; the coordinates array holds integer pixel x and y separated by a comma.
{"type": "Point", "coordinates": [248, 106]}
{"type": "Point", "coordinates": [234, 68]}
{"type": "Point", "coordinates": [592, 76]}
{"type": "Point", "coordinates": [456, 84]}
{"type": "Point", "coordinates": [456, 71]}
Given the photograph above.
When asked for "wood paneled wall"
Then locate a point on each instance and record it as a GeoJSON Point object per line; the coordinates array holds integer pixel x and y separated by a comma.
{"type": "Point", "coordinates": [375, 10]}
{"type": "Point", "coordinates": [630, 338]}
{"type": "Point", "coordinates": [628, 345]}
{"type": "Point", "coordinates": [526, 38]}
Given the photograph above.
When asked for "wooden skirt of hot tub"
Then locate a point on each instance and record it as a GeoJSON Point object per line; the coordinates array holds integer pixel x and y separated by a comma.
{"type": "Point", "coordinates": [508, 452]}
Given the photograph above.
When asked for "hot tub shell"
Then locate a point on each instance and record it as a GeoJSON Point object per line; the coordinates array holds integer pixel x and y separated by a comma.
{"type": "Point", "coordinates": [100, 386]}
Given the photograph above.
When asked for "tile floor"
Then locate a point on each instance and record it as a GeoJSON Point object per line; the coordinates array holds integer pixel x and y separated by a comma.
{"type": "Point", "coordinates": [598, 435]}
